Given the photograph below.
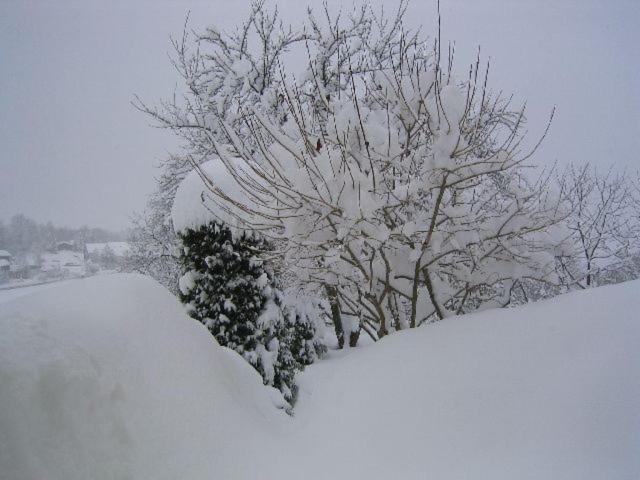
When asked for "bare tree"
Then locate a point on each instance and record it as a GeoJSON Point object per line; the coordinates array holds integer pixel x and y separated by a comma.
{"type": "Point", "coordinates": [154, 244]}
{"type": "Point", "coordinates": [602, 226]}
{"type": "Point", "coordinates": [220, 73]}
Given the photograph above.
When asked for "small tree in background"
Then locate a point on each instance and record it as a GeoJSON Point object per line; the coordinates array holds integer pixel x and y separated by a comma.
{"type": "Point", "coordinates": [154, 248]}
{"type": "Point", "coordinates": [603, 228]}
{"type": "Point", "coordinates": [154, 243]}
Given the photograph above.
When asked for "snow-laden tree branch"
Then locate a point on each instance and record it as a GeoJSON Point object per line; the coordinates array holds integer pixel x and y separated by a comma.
{"type": "Point", "coordinates": [384, 179]}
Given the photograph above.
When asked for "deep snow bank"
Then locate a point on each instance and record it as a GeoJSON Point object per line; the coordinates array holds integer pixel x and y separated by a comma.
{"type": "Point", "coordinates": [108, 378]}
{"type": "Point", "coordinates": [546, 391]}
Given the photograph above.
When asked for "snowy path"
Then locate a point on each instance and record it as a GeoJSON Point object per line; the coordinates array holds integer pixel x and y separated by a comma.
{"type": "Point", "coordinates": [11, 293]}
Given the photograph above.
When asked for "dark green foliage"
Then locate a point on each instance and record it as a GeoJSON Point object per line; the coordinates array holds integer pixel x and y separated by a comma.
{"type": "Point", "coordinates": [304, 345]}
{"type": "Point", "coordinates": [227, 287]}
{"type": "Point", "coordinates": [225, 294]}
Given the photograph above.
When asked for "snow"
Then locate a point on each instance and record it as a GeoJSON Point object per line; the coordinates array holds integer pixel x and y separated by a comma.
{"type": "Point", "coordinates": [25, 288]}
{"type": "Point", "coordinates": [119, 249]}
{"type": "Point", "coordinates": [187, 282]}
{"type": "Point", "coordinates": [5, 254]}
{"type": "Point", "coordinates": [195, 204]}
{"type": "Point", "coordinates": [108, 378]}
{"type": "Point", "coordinates": [546, 391]}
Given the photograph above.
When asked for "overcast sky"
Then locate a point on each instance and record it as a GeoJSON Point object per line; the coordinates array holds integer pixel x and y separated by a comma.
{"type": "Point", "coordinates": [74, 151]}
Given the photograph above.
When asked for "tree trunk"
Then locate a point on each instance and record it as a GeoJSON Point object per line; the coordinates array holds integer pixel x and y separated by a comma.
{"type": "Point", "coordinates": [336, 317]}
{"type": "Point", "coordinates": [353, 338]}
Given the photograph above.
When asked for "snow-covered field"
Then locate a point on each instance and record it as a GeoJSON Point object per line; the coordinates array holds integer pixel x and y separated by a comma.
{"type": "Point", "coordinates": [108, 378]}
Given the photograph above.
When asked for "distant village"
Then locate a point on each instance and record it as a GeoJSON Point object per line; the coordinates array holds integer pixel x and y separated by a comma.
{"type": "Point", "coordinates": [65, 260]}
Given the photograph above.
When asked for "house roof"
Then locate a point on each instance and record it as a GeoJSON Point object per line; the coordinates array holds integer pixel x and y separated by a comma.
{"type": "Point", "coordinates": [5, 254]}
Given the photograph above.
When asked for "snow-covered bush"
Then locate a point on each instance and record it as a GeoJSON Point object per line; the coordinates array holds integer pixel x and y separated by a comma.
{"type": "Point", "coordinates": [393, 186]}
{"type": "Point", "coordinates": [228, 286]}
{"type": "Point", "coordinates": [225, 286]}
{"type": "Point", "coordinates": [304, 328]}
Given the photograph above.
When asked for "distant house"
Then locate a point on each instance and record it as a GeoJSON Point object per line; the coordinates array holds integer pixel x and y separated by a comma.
{"type": "Point", "coordinates": [63, 262]}
{"type": "Point", "coordinates": [65, 246]}
{"type": "Point", "coordinates": [5, 264]}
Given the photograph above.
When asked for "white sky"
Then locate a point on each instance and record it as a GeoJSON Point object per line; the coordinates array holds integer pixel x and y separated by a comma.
{"type": "Point", "coordinates": [74, 151]}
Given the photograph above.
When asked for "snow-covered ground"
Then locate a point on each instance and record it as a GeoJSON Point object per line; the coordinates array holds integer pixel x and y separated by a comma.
{"type": "Point", "coordinates": [108, 378]}
{"type": "Point", "coordinates": [17, 290]}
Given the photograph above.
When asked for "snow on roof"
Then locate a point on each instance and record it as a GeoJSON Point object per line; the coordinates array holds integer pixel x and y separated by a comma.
{"type": "Point", "coordinates": [195, 205]}
{"type": "Point", "coordinates": [118, 248]}
{"type": "Point", "coordinates": [5, 254]}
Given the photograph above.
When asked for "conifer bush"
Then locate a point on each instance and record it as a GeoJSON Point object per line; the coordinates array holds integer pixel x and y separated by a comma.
{"type": "Point", "coordinates": [228, 288]}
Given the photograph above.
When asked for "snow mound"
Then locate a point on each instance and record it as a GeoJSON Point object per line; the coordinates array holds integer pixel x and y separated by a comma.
{"type": "Point", "coordinates": [546, 391]}
{"type": "Point", "coordinates": [108, 378]}
{"type": "Point", "coordinates": [196, 205]}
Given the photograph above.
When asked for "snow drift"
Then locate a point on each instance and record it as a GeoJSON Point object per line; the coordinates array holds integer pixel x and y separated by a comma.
{"type": "Point", "coordinates": [546, 391]}
{"type": "Point", "coordinates": [108, 378]}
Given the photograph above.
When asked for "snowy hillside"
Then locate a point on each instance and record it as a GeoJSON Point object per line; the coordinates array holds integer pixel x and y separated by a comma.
{"type": "Point", "coordinates": [108, 378]}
